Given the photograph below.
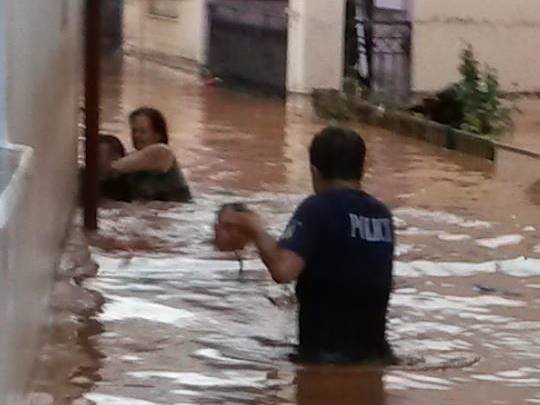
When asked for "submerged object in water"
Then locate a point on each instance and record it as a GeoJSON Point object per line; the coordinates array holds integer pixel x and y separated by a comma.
{"type": "Point", "coordinates": [227, 237]}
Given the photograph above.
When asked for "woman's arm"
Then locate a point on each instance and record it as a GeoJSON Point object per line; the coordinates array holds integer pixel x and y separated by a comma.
{"type": "Point", "coordinates": [153, 158]}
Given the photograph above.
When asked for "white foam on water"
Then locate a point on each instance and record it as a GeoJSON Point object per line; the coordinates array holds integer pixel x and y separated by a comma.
{"type": "Point", "coordinates": [102, 399]}
{"type": "Point", "coordinates": [403, 249]}
{"type": "Point", "coordinates": [104, 283]}
{"type": "Point", "coordinates": [212, 354]}
{"type": "Point", "coordinates": [486, 318]}
{"type": "Point", "coordinates": [493, 300]}
{"type": "Point", "coordinates": [433, 345]}
{"type": "Point", "coordinates": [414, 231]}
{"type": "Point", "coordinates": [187, 393]}
{"type": "Point", "coordinates": [475, 307]}
{"type": "Point", "coordinates": [500, 241]}
{"type": "Point", "coordinates": [109, 335]}
{"type": "Point", "coordinates": [475, 224]}
{"type": "Point", "coordinates": [523, 382]}
{"type": "Point", "coordinates": [422, 268]}
{"type": "Point", "coordinates": [441, 217]}
{"type": "Point", "coordinates": [405, 381]}
{"type": "Point", "coordinates": [399, 223]}
{"type": "Point", "coordinates": [129, 357]}
{"type": "Point", "coordinates": [518, 267]}
{"type": "Point", "coordinates": [167, 268]}
{"type": "Point", "coordinates": [450, 237]}
{"type": "Point", "coordinates": [512, 374]}
{"type": "Point", "coordinates": [245, 379]}
{"type": "Point", "coordinates": [422, 327]}
{"type": "Point", "coordinates": [122, 308]}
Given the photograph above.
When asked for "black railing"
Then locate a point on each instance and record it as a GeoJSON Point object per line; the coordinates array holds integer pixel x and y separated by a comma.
{"type": "Point", "coordinates": [385, 58]}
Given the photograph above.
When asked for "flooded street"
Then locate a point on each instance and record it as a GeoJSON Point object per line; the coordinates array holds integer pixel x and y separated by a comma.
{"type": "Point", "coordinates": [178, 324]}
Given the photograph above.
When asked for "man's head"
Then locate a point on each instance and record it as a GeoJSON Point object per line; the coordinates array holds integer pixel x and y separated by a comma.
{"type": "Point", "coordinates": [110, 149]}
{"type": "Point", "coordinates": [336, 155]}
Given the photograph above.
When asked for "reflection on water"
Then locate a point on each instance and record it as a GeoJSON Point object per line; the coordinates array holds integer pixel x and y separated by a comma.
{"type": "Point", "coordinates": [182, 326]}
{"type": "Point", "coordinates": [332, 385]}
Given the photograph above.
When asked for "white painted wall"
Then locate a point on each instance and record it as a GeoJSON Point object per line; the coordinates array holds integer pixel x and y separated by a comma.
{"type": "Point", "coordinates": [43, 67]}
{"type": "Point", "coordinates": [170, 40]}
{"type": "Point", "coordinates": [316, 45]}
{"type": "Point", "coordinates": [505, 34]}
{"type": "Point", "coordinates": [3, 129]}
{"type": "Point", "coordinates": [393, 4]}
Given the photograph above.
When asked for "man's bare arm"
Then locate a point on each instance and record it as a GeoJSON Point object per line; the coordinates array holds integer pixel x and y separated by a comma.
{"type": "Point", "coordinates": [284, 265]}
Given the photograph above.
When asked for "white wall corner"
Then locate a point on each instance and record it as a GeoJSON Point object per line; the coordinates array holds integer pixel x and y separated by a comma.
{"type": "Point", "coordinates": [3, 67]}
{"type": "Point", "coordinates": [15, 190]}
{"type": "Point", "coordinates": [316, 45]}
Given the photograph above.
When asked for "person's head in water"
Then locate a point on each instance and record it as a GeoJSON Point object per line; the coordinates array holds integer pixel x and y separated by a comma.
{"type": "Point", "coordinates": [228, 237]}
{"type": "Point", "coordinates": [337, 156]}
{"type": "Point", "coordinates": [110, 149]}
{"type": "Point", "coordinates": [148, 127]}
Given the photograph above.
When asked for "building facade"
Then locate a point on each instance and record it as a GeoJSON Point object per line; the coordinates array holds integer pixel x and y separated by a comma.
{"type": "Point", "coordinates": [504, 35]}
{"type": "Point", "coordinates": [172, 32]}
{"type": "Point", "coordinates": [501, 32]}
{"type": "Point", "coordinates": [40, 84]}
{"type": "Point", "coordinates": [176, 32]}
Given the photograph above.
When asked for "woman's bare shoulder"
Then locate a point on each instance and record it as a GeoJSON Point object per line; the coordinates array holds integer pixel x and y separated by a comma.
{"type": "Point", "coordinates": [160, 149]}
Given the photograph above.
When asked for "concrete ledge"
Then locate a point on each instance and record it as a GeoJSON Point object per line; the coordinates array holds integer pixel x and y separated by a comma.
{"type": "Point", "coordinates": [517, 150]}
{"type": "Point", "coordinates": [422, 129]}
{"type": "Point", "coordinates": [472, 144]}
{"type": "Point", "coordinates": [171, 61]}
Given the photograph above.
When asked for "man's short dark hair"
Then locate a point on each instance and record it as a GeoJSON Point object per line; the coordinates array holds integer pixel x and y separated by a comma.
{"type": "Point", "coordinates": [115, 145]}
{"type": "Point", "coordinates": [238, 207]}
{"type": "Point", "coordinates": [338, 154]}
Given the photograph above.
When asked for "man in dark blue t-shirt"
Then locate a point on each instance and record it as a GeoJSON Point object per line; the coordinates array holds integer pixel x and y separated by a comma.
{"type": "Point", "coordinates": [339, 246]}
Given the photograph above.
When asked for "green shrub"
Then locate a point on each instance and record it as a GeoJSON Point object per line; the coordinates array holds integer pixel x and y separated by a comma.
{"type": "Point", "coordinates": [331, 104]}
{"type": "Point", "coordinates": [474, 104]}
{"type": "Point", "coordinates": [484, 111]}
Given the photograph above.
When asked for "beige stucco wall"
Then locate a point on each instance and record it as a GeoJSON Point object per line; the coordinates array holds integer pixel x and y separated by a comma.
{"type": "Point", "coordinates": [316, 41]}
{"type": "Point", "coordinates": [505, 34]}
{"type": "Point", "coordinates": [169, 40]}
{"type": "Point", "coordinates": [43, 59]}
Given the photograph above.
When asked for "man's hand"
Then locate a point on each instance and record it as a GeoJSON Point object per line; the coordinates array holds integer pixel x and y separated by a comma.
{"type": "Point", "coordinates": [236, 229]}
{"type": "Point", "coordinates": [233, 229]}
{"type": "Point", "coordinates": [247, 223]}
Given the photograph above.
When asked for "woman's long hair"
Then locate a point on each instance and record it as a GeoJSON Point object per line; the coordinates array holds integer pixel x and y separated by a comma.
{"type": "Point", "coordinates": [157, 120]}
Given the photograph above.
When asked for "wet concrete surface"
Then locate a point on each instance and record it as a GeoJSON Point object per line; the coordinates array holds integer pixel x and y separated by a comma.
{"type": "Point", "coordinates": [167, 320]}
{"type": "Point", "coordinates": [526, 134]}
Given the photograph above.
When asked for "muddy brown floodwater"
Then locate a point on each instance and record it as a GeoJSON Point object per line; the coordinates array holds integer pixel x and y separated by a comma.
{"type": "Point", "coordinates": [178, 324]}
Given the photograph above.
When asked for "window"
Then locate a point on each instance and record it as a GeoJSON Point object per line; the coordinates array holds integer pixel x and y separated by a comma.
{"type": "Point", "coordinates": [163, 8]}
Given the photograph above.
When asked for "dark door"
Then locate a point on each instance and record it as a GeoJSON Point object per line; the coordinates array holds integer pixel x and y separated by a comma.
{"type": "Point", "coordinates": [248, 43]}
{"type": "Point", "coordinates": [112, 15]}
